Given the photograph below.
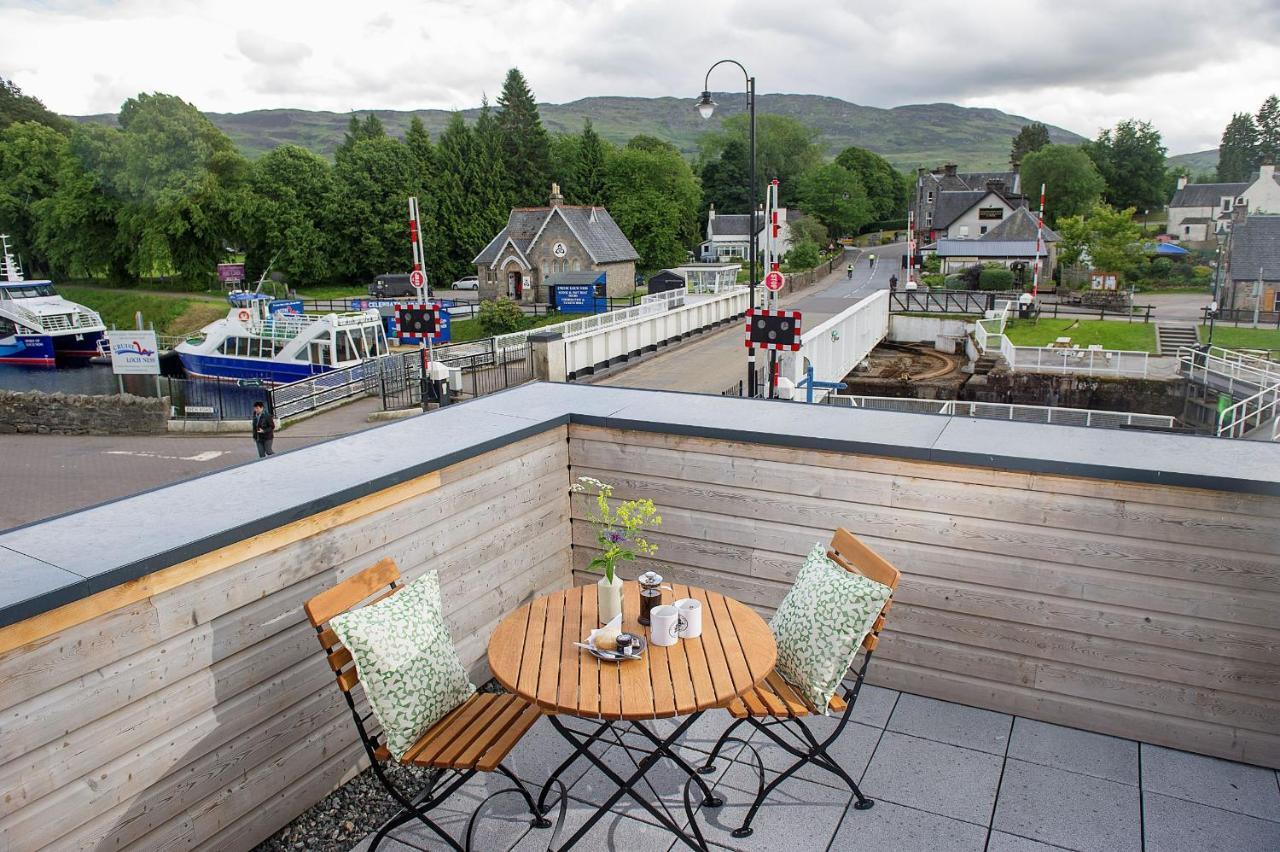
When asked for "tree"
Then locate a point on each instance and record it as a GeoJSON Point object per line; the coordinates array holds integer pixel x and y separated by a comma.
{"type": "Point", "coordinates": [803, 255]}
{"type": "Point", "coordinates": [654, 197]}
{"type": "Point", "coordinates": [291, 208]}
{"type": "Point", "coordinates": [1031, 137]}
{"type": "Point", "coordinates": [31, 156]}
{"type": "Point", "coordinates": [1072, 183]}
{"type": "Point", "coordinates": [1238, 154]}
{"type": "Point", "coordinates": [808, 229]}
{"type": "Point", "coordinates": [589, 174]}
{"type": "Point", "coordinates": [15, 108]}
{"type": "Point", "coordinates": [724, 179]}
{"type": "Point", "coordinates": [836, 197]}
{"type": "Point", "coordinates": [880, 179]}
{"type": "Point", "coordinates": [526, 146]}
{"type": "Point", "coordinates": [1110, 236]}
{"type": "Point", "coordinates": [374, 178]}
{"type": "Point", "coordinates": [1075, 239]}
{"type": "Point", "coordinates": [472, 203]}
{"type": "Point", "coordinates": [785, 149]}
{"type": "Point", "coordinates": [357, 130]}
{"type": "Point", "coordinates": [418, 141]}
{"type": "Point", "coordinates": [1130, 159]}
{"type": "Point", "coordinates": [1268, 122]}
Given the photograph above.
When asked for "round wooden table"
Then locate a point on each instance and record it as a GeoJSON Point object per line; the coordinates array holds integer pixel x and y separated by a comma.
{"type": "Point", "coordinates": [531, 653]}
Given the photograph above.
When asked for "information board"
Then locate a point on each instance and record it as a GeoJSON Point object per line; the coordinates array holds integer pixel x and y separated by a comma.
{"type": "Point", "coordinates": [581, 299]}
{"type": "Point", "coordinates": [134, 353]}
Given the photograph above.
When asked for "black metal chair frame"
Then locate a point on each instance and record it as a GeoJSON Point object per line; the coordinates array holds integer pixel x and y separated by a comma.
{"type": "Point", "coordinates": [807, 748]}
{"type": "Point", "coordinates": [441, 784]}
{"type": "Point", "coordinates": [662, 747]}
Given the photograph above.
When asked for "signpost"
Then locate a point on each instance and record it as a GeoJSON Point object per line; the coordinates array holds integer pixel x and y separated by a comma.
{"type": "Point", "coordinates": [134, 353]}
{"type": "Point", "coordinates": [231, 273]}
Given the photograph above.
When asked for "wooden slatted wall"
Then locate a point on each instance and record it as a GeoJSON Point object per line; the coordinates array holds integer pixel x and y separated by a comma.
{"type": "Point", "coordinates": [1140, 611]}
{"type": "Point", "coordinates": [195, 710]}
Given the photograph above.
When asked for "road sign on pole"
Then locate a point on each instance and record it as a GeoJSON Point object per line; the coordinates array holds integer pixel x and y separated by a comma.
{"type": "Point", "coordinates": [418, 279]}
{"type": "Point", "coordinates": [773, 281]}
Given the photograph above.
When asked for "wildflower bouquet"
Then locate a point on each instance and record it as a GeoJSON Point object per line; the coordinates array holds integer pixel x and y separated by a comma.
{"type": "Point", "coordinates": [620, 530]}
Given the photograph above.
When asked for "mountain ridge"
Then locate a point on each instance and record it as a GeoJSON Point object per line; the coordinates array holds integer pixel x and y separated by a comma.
{"type": "Point", "coordinates": [909, 136]}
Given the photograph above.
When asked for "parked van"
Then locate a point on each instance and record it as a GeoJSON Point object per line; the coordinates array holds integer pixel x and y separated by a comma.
{"type": "Point", "coordinates": [392, 285]}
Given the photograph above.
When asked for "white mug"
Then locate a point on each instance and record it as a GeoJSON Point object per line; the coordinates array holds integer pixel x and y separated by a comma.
{"type": "Point", "coordinates": [664, 625]}
{"type": "Point", "coordinates": [690, 617]}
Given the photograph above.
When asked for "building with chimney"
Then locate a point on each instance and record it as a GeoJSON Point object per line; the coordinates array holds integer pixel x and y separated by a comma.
{"type": "Point", "coordinates": [1202, 212]}
{"type": "Point", "coordinates": [539, 242]}
{"type": "Point", "coordinates": [945, 194]}
{"type": "Point", "coordinates": [729, 236]}
{"type": "Point", "coordinates": [1252, 278]}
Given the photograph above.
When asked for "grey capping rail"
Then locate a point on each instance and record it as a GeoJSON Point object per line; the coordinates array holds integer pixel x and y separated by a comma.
{"type": "Point", "coordinates": [50, 563]}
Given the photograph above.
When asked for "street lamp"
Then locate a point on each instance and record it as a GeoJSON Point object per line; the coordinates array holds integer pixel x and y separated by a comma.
{"type": "Point", "coordinates": [706, 108]}
{"type": "Point", "coordinates": [1213, 313]}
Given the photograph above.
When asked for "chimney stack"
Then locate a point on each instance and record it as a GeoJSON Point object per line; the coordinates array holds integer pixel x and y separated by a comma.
{"type": "Point", "coordinates": [1267, 171]}
{"type": "Point", "coordinates": [950, 169]}
{"type": "Point", "coordinates": [556, 198]}
{"type": "Point", "coordinates": [1182, 181]}
{"type": "Point", "coordinates": [996, 185]}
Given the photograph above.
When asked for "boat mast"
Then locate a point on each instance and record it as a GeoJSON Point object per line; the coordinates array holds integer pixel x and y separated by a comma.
{"type": "Point", "coordinates": [11, 270]}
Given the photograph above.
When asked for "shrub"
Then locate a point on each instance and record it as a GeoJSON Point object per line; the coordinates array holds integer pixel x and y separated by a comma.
{"type": "Point", "coordinates": [995, 278]}
{"type": "Point", "coordinates": [1201, 274]}
{"type": "Point", "coordinates": [500, 317]}
{"type": "Point", "coordinates": [932, 280]}
{"type": "Point", "coordinates": [956, 281]}
{"type": "Point", "coordinates": [932, 263]}
{"type": "Point", "coordinates": [803, 255]}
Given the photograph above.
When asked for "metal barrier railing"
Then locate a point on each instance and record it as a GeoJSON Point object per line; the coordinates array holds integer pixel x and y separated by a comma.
{"type": "Point", "coordinates": [1008, 411]}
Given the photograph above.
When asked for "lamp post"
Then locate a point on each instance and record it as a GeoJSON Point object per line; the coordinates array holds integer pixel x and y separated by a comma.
{"type": "Point", "coordinates": [706, 107]}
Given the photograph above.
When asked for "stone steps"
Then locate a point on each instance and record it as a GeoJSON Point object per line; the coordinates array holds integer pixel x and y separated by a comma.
{"type": "Point", "coordinates": [1170, 338]}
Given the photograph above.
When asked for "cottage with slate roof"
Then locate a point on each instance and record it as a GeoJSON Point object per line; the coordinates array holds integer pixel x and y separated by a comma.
{"type": "Point", "coordinates": [943, 195]}
{"type": "Point", "coordinates": [1011, 242]}
{"type": "Point", "coordinates": [1253, 264]}
{"type": "Point", "coordinates": [729, 236]}
{"type": "Point", "coordinates": [539, 242]}
{"type": "Point", "coordinates": [1201, 212]}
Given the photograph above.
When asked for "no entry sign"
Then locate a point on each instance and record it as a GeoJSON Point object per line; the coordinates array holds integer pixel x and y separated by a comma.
{"type": "Point", "coordinates": [417, 278]}
{"type": "Point", "coordinates": [773, 281]}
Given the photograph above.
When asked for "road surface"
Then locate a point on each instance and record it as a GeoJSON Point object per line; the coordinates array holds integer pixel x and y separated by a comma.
{"type": "Point", "coordinates": [716, 361]}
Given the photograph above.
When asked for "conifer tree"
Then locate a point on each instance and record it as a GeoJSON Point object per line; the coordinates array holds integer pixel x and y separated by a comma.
{"type": "Point", "coordinates": [525, 144]}
{"type": "Point", "coordinates": [458, 216]}
{"type": "Point", "coordinates": [589, 175]}
{"type": "Point", "coordinates": [1268, 122]}
{"type": "Point", "coordinates": [1029, 139]}
{"type": "Point", "coordinates": [1238, 154]}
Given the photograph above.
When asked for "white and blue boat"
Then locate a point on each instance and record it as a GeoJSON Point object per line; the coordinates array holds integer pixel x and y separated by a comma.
{"type": "Point", "coordinates": [274, 341]}
{"type": "Point", "coordinates": [37, 326]}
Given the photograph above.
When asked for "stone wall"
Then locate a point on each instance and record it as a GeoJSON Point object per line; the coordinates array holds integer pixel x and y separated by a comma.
{"type": "Point", "coordinates": [1146, 396]}
{"type": "Point", "coordinates": [78, 414]}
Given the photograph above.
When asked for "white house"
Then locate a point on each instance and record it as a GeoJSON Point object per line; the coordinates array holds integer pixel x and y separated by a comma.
{"type": "Point", "coordinates": [728, 236]}
{"type": "Point", "coordinates": [1198, 212]}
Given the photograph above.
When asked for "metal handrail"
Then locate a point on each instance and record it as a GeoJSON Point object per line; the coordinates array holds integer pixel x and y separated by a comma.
{"type": "Point", "coordinates": [1008, 411]}
{"type": "Point", "coordinates": [1239, 419]}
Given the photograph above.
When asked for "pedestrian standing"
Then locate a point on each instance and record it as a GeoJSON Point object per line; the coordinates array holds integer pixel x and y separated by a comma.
{"type": "Point", "coordinates": [264, 430]}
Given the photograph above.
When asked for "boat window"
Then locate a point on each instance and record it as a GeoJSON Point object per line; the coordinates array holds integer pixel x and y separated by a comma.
{"type": "Point", "coordinates": [228, 346]}
{"type": "Point", "coordinates": [346, 352]}
{"type": "Point", "coordinates": [359, 344]}
{"type": "Point", "coordinates": [30, 291]}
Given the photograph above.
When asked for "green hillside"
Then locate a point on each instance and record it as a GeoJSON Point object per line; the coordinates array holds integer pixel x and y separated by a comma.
{"type": "Point", "coordinates": [1200, 162]}
{"type": "Point", "coordinates": [909, 136]}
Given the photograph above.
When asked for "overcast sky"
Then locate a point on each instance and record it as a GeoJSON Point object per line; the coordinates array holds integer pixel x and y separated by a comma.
{"type": "Point", "coordinates": [1079, 64]}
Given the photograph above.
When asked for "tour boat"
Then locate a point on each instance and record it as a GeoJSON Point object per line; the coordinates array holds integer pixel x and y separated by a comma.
{"type": "Point", "coordinates": [37, 326]}
{"type": "Point", "coordinates": [273, 341]}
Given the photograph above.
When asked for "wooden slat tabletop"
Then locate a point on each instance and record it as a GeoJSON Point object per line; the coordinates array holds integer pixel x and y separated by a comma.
{"type": "Point", "coordinates": [531, 654]}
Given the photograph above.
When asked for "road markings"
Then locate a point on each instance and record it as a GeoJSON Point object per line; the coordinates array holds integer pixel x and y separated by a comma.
{"type": "Point", "coordinates": [207, 455]}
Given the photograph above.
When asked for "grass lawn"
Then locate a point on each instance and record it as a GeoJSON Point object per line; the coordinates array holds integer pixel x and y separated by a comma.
{"type": "Point", "coordinates": [169, 314]}
{"type": "Point", "coordinates": [469, 329]}
{"type": "Point", "coordinates": [1108, 334]}
{"type": "Point", "coordinates": [1242, 338]}
{"type": "Point", "coordinates": [333, 291]}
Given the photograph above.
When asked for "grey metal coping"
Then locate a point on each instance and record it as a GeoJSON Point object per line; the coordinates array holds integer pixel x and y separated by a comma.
{"type": "Point", "coordinates": [47, 564]}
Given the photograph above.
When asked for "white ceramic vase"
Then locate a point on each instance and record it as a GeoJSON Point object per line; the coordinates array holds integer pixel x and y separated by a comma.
{"type": "Point", "coordinates": [609, 598]}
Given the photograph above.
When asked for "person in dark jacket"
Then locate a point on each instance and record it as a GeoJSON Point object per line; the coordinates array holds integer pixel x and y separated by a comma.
{"type": "Point", "coordinates": [264, 430]}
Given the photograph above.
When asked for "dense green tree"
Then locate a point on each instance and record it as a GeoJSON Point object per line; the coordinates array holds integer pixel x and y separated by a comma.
{"type": "Point", "coordinates": [589, 172]}
{"type": "Point", "coordinates": [290, 208]}
{"type": "Point", "coordinates": [785, 149]}
{"type": "Point", "coordinates": [1072, 183]}
{"type": "Point", "coordinates": [370, 128]}
{"type": "Point", "coordinates": [724, 179]}
{"type": "Point", "coordinates": [418, 141]}
{"type": "Point", "coordinates": [1268, 121]}
{"type": "Point", "coordinates": [654, 197]}
{"type": "Point", "coordinates": [804, 254]}
{"type": "Point", "coordinates": [882, 182]}
{"type": "Point", "coordinates": [808, 228]}
{"type": "Point", "coordinates": [1031, 137]}
{"type": "Point", "coordinates": [471, 203]}
{"type": "Point", "coordinates": [16, 107]}
{"type": "Point", "coordinates": [31, 156]}
{"type": "Point", "coordinates": [374, 179]}
{"type": "Point", "coordinates": [1075, 239]}
{"type": "Point", "coordinates": [566, 150]}
{"type": "Point", "coordinates": [490, 182]}
{"type": "Point", "coordinates": [526, 146]}
{"type": "Point", "coordinates": [1238, 154]}
{"type": "Point", "coordinates": [1131, 160]}
{"type": "Point", "coordinates": [836, 197]}
{"type": "Point", "coordinates": [1110, 236]}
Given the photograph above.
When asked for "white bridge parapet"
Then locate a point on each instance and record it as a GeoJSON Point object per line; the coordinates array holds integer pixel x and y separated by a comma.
{"type": "Point", "coordinates": [833, 348]}
{"type": "Point", "coordinates": [668, 317]}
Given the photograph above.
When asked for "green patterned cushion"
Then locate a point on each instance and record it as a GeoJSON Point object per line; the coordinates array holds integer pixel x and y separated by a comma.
{"type": "Point", "coordinates": [821, 624]}
{"type": "Point", "coordinates": [406, 660]}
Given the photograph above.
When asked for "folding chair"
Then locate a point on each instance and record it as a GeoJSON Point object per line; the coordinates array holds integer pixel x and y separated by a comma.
{"type": "Point", "coordinates": [473, 737]}
{"type": "Point", "coordinates": [776, 706]}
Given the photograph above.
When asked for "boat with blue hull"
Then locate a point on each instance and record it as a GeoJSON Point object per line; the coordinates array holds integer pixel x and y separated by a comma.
{"type": "Point", "coordinates": [274, 341]}
{"type": "Point", "coordinates": [37, 326]}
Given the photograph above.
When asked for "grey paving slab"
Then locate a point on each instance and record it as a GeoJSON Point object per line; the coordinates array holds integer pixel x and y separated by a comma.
{"type": "Point", "coordinates": [1217, 783]}
{"type": "Point", "coordinates": [1074, 750]}
{"type": "Point", "coordinates": [1175, 825]}
{"type": "Point", "coordinates": [875, 705]}
{"type": "Point", "coordinates": [943, 779]}
{"type": "Point", "coordinates": [893, 827]}
{"type": "Point", "coordinates": [852, 751]}
{"type": "Point", "coordinates": [613, 831]}
{"type": "Point", "coordinates": [956, 724]}
{"type": "Point", "coordinates": [539, 752]}
{"type": "Point", "coordinates": [798, 814]}
{"type": "Point", "coordinates": [1066, 809]}
{"type": "Point", "coordinates": [1001, 842]}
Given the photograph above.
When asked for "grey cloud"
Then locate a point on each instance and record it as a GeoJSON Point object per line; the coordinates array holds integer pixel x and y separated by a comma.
{"type": "Point", "coordinates": [264, 49]}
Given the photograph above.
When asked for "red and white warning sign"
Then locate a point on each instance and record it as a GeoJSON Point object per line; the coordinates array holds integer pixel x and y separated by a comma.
{"type": "Point", "coordinates": [777, 330]}
{"type": "Point", "coordinates": [418, 278]}
{"type": "Point", "coordinates": [773, 281]}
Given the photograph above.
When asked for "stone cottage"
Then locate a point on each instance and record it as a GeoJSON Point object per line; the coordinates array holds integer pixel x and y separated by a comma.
{"type": "Point", "coordinates": [539, 242]}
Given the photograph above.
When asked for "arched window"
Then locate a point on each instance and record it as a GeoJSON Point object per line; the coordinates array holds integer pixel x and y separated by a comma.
{"type": "Point", "coordinates": [577, 265]}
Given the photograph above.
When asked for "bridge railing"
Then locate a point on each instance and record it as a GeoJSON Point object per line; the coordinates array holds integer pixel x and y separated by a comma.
{"type": "Point", "coordinates": [1009, 411]}
{"type": "Point", "coordinates": [833, 348]}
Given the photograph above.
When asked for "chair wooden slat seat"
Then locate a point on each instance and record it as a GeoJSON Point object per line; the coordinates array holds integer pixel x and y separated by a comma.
{"type": "Point", "coordinates": [475, 736]}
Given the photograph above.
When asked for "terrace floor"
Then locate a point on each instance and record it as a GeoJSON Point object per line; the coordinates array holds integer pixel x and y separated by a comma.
{"type": "Point", "coordinates": [944, 777]}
